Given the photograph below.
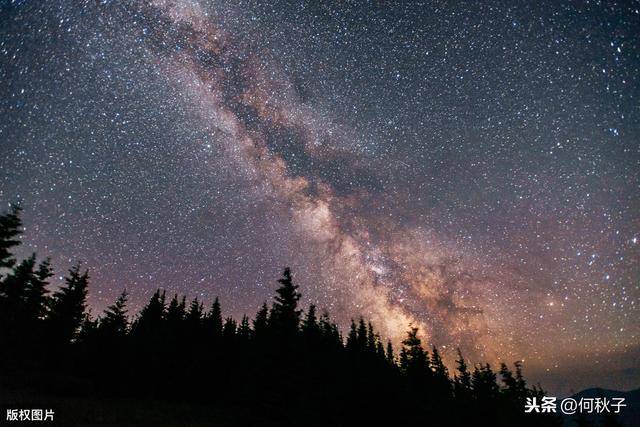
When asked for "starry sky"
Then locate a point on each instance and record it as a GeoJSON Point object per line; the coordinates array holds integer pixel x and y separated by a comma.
{"type": "Point", "coordinates": [468, 169]}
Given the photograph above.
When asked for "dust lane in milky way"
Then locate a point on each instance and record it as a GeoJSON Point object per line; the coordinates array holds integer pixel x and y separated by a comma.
{"type": "Point", "coordinates": [477, 180]}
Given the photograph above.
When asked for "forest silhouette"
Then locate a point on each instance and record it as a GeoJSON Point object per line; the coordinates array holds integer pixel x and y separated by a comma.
{"type": "Point", "coordinates": [284, 367]}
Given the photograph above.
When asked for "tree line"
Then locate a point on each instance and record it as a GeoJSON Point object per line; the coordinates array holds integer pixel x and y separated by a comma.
{"type": "Point", "coordinates": [284, 367]}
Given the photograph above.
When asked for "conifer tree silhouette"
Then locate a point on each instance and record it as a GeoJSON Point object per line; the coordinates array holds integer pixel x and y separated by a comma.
{"type": "Point", "coordinates": [26, 289]}
{"type": "Point", "coordinates": [352, 338]}
{"type": "Point", "coordinates": [115, 324]}
{"type": "Point", "coordinates": [484, 384]}
{"type": "Point", "coordinates": [510, 383]}
{"type": "Point", "coordinates": [13, 289]}
{"type": "Point", "coordinates": [244, 330]}
{"type": "Point", "coordinates": [330, 334]}
{"type": "Point", "coordinates": [87, 333]}
{"type": "Point", "coordinates": [521, 383]}
{"type": "Point", "coordinates": [36, 291]}
{"type": "Point", "coordinates": [285, 314]}
{"type": "Point", "coordinates": [441, 382]}
{"type": "Point", "coordinates": [229, 330]}
{"type": "Point", "coordinates": [194, 315]}
{"type": "Point", "coordinates": [362, 335]}
{"type": "Point", "coordinates": [260, 323]}
{"type": "Point", "coordinates": [437, 365]}
{"type": "Point", "coordinates": [379, 351]}
{"type": "Point", "coordinates": [414, 361]}
{"type": "Point", "coordinates": [462, 383]}
{"type": "Point", "coordinates": [213, 319]}
{"type": "Point", "coordinates": [10, 230]}
{"type": "Point", "coordinates": [68, 305]}
{"type": "Point", "coordinates": [310, 326]}
{"type": "Point", "coordinates": [391, 358]}
{"type": "Point", "coordinates": [16, 314]}
{"type": "Point", "coordinates": [151, 317]}
{"type": "Point", "coordinates": [372, 339]}
{"type": "Point", "coordinates": [176, 312]}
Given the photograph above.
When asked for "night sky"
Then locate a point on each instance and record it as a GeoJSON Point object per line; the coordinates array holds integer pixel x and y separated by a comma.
{"type": "Point", "coordinates": [470, 169]}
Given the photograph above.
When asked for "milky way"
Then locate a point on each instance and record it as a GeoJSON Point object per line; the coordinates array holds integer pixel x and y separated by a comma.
{"type": "Point", "coordinates": [471, 171]}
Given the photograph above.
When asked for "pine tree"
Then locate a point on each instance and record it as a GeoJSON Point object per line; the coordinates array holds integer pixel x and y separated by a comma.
{"type": "Point", "coordinates": [352, 338]}
{"type": "Point", "coordinates": [310, 327]}
{"type": "Point", "coordinates": [213, 319]}
{"type": "Point", "coordinates": [88, 329]}
{"type": "Point", "coordinates": [229, 330]}
{"type": "Point", "coordinates": [68, 305]}
{"type": "Point", "coordinates": [371, 339]}
{"type": "Point", "coordinates": [391, 358]}
{"type": "Point", "coordinates": [380, 353]}
{"type": "Point", "coordinates": [285, 313]}
{"type": "Point", "coordinates": [510, 383]}
{"type": "Point", "coordinates": [329, 331]}
{"type": "Point", "coordinates": [362, 335]}
{"type": "Point", "coordinates": [441, 385]}
{"type": "Point", "coordinates": [194, 315]}
{"type": "Point", "coordinates": [176, 311]}
{"type": "Point", "coordinates": [152, 316]}
{"type": "Point", "coordinates": [36, 291]}
{"type": "Point", "coordinates": [462, 383]}
{"type": "Point", "coordinates": [437, 365]}
{"type": "Point", "coordinates": [414, 361]}
{"type": "Point", "coordinates": [244, 330]}
{"type": "Point", "coordinates": [10, 230]}
{"type": "Point", "coordinates": [483, 381]}
{"type": "Point", "coordinates": [260, 324]}
{"type": "Point", "coordinates": [521, 384]}
{"type": "Point", "coordinates": [115, 322]}
{"type": "Point", "coordinates": [17, 302]}
{"type": "Point", "coordinates": [13, 289]}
